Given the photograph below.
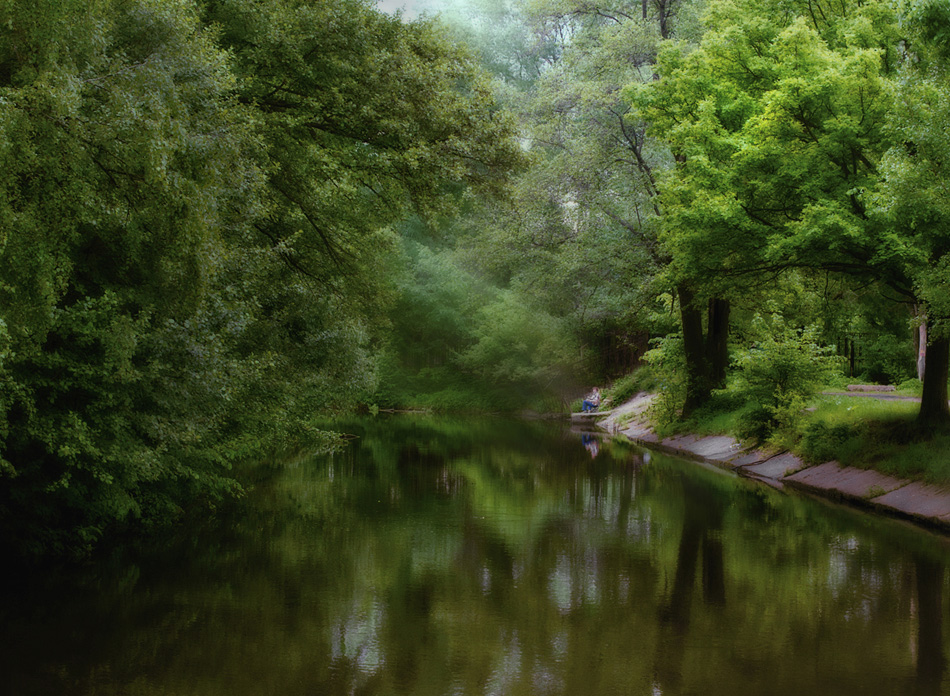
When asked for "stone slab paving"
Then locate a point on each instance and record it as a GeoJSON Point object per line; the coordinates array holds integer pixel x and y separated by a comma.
{"type": "Point", "coordinates": [640, 432]}
{"type": "Point", "coordinates": [919, 500]}
{"type": "Point", "coordinates": [634, 407]}
{"type": "Point", "coordinates": [646, 436]}
{"type": "Point", "coordinates": [777, 467]}
{"type": "Point", "coordinates": [913, 499]}
{"type": "Point", "coordinates": [717, 448]}
{"type": "Point", "coordinates": [748, 457]}
{"type": "Point", "coordinates": [683, 443]}
{"type": "Point", "coordinates": [846, 480]}
{"type": "Point", "coordinates": [590, 415]}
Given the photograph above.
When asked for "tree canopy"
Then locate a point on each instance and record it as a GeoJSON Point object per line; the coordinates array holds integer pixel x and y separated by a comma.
{"type": "Point", "coordinates": [780, 121]}
{"type": "Point", "coordinates": [196, 201]}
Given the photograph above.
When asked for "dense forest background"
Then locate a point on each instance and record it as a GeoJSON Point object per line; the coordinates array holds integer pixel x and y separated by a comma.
{"type": "Point", "coordinates": [222, 221]}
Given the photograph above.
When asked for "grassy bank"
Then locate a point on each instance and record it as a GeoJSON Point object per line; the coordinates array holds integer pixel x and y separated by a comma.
{"type": "Point", "coordinates": [868, 433]}
{"type": "Point", "coordinates": [858, 431]}
{"type": "Point", "coordinates": [855, 431]}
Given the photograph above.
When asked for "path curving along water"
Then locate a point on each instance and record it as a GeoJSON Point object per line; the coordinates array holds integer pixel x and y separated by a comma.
{"type": "Point", "coordinates": [921, 503]}
{"type": "Point", "coordinates": [872, 395]}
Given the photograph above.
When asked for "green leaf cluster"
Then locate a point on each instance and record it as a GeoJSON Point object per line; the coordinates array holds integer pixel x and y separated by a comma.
{"type": "Point", "coordinates": [778, 374]}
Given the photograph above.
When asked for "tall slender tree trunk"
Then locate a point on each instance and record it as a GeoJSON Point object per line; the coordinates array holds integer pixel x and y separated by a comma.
{"type": "Point", "coordinates": [921, 343]}
{"type": "Point", "coordinates": [717, 342]}
{"type": "Point", "coordinates": [933, 402]}
{"type": "Point", "coordinates": [697, 381]}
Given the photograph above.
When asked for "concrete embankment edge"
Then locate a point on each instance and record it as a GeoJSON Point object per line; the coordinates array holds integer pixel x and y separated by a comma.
{"type": "Point", "coordinates": [925, 504]}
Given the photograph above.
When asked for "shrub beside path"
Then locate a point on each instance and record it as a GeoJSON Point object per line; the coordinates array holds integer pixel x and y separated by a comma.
{"type": "Point", "coordinates": [925, 504]}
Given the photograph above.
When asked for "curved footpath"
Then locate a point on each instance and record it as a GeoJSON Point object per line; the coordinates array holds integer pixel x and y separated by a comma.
{"type": "Point", "coordinates": [925, 504]}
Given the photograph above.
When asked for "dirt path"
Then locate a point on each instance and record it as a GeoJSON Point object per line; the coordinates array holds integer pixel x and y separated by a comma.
{"type": "Point", "coordinates": [873, 395]}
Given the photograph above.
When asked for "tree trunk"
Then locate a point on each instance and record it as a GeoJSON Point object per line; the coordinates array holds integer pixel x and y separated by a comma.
{"type": "Point", "coordinates": [922, 348]}
{"type": "Point", "coordinates": [664, 12]}
{"type": "Point", "coordinates": [697, 382]}
{"type": "Point", "coordinates": [933, 401]}
{"type": "Point", "coordinates": [717, 342]}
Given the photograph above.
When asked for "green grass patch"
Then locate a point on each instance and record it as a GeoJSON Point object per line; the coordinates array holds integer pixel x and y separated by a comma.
{"type": "Point", "coordinates": [880, 435]}
{"type": "Point", "coordinates": [855, 431]}
{"type": "Point", "coordinates": [836, 410]}
{"type": "Point", "coordinates": [721, 416]}
{"type": "Point", "coordinates": [626, 387]}
{"type": "Point", "coordinates": [928, 460]}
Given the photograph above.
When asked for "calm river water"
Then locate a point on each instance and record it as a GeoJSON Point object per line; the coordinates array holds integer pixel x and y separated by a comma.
{"type": "Point", "coordinates": [492, 557]}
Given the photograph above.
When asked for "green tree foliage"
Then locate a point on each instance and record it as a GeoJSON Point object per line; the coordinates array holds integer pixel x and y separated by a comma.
{"type": "Point", "coordinates": [778, 121]}
{"type": "Point", "coordinates": [780, 124]}
{"type": "Point", "coordinates": [460, 342]}
{"type": "Point", "coordinates": [580, 233]}
{"type": "Point", "coordinates": [779, 373]}
{"type": "Point", "coordinates": [364, 117]}
{"type": "Point", "coordinates": [567, 253]}
{"type": "Point", "coordinates": [124, 167]}
{"type": "Point", "coordinates": [667, 364]}
{"type": "Point", "coordinates": [518, 345]}
{"type": "Point", "coordinates": [193, 212]}
{"type": "Point", "coordinates": [603, 161]}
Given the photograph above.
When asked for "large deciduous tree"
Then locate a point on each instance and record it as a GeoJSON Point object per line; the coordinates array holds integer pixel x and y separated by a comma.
{"type": "Point", "coordinates": [582, 239]}
{"type": "Point", "coordinates": [193, 203]}
{"type": "Point", "coordinates": [779, 122]}
{"type": "Point", "coordinates": [124, 174]}
{"type": "Point", "coordinates": [605, 164]}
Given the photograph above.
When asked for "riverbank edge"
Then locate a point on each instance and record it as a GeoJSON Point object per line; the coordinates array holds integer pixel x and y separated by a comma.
{"type": "Point", "coordinates": [927, 505]}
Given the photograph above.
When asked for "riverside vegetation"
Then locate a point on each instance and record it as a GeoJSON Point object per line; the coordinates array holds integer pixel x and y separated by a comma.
{"type": "Point", "coordinates": [222, 221]}
{"type": "Point", "coordinates": [826, 425]}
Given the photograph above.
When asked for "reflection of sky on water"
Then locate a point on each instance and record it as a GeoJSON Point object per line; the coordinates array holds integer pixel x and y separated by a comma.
{"type": "Point", "coordinates": [573, 582]}
{"type": "Point", "coordinates": [560, 585]}
{"type": "Point", "coordinates": [356, 641]}
{"type": "Point", "coordinates": [507, 669]}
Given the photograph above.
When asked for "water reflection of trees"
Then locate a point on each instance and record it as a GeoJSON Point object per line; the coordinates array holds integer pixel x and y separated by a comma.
{"type": "Point", "coordinates": [700, 540]}
{"type": "Point", "coordinates": [424, 562]}
{"type": "Point", "coordinates": [931, 660]}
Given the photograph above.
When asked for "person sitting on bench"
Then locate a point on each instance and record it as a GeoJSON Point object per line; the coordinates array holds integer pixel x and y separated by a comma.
{"type": "Point", "coordinates": [592, 401]}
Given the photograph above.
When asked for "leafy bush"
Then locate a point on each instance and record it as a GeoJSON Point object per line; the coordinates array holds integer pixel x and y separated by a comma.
{"type": "Point", "coordinates": [822, 442]}
{"type": "Point", "coordinates": [911, 387]}
{"type": "Point", "coordinates": [519, 345]}
{"type": "Point", "coordinates": [777, 375]}
{"type": "Point", "coordinates": [839, 381]}
{"type": "Point", "coordinates": [667, 365]}
{"type": "Point", "coordinates": [888, 359]}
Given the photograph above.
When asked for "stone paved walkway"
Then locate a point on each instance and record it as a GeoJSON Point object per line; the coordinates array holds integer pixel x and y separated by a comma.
{"type": "Point", "coordinates": [922, 503]}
